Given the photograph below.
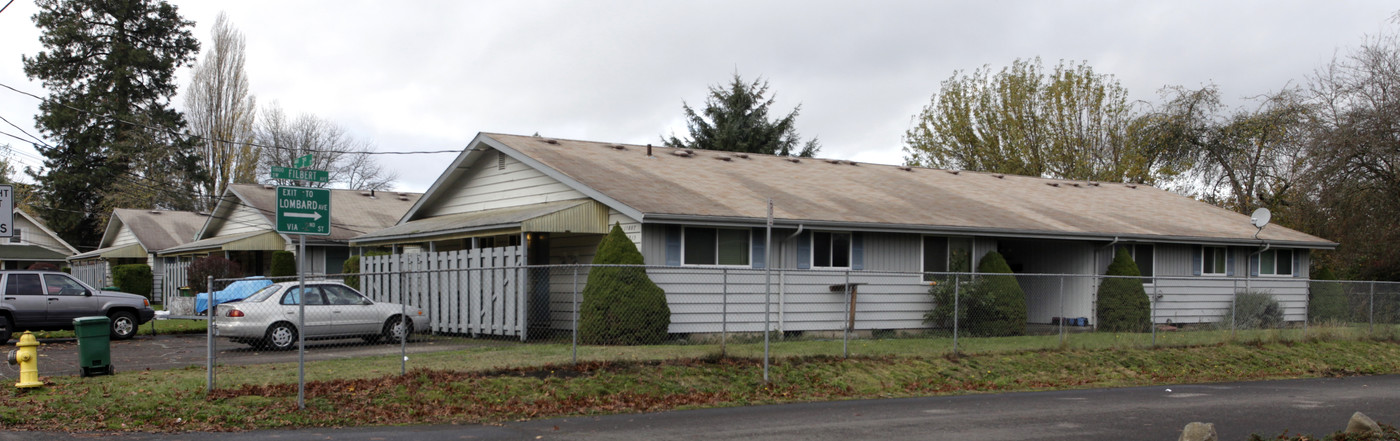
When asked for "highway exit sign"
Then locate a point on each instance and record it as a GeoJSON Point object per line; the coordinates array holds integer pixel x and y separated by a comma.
{"type": "Point", "coordinates": [303, 210]}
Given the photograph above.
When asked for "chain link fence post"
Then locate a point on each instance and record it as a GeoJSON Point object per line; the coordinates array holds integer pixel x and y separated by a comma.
{"type": "Point", "coordinates": [850, 319]}
{"type": "Point", "coordinates": [1062, 310]}
{"type": "Point", "coordinates": [1152, 309]}
{"type": "Point", "coordinates": [1371, 317]}
{"type": "Point", "coordinates": [209, 332]}
{"type": "Point", "coordinates": [403, 322]}
{"type": "Point", "coordinates": [956, 287]}
{"type": "Point", "coordinates": [724, 316]}
{"type": "Point", "coordinates": [1234, 297]}
{"type": "Point", "coordinates": [575, 317]}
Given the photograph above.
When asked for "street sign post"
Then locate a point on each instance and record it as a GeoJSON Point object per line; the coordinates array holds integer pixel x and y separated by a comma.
{"type": "Point", "coordinates": [303, 210]}
{"type": "Point", "coordinates": [7, 210]}
{"type": "Point", "coordinates": [300, 174]}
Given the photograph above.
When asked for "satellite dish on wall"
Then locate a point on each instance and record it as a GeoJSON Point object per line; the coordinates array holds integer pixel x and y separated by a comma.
{"type": "Point", "coordinates": [1260, 218]}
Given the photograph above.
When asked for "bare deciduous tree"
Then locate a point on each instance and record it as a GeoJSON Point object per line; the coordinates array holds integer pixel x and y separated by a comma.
{"type": "Point", "coordinates": [221, 112]}
{"type": "Point", "coordinates": [349, 161]}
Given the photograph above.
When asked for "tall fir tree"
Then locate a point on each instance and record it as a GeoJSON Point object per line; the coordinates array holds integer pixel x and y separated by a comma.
{"type": "Point", "coordinates": [109, 68]}
{"type": "Point", "coordinates": [735, 119]}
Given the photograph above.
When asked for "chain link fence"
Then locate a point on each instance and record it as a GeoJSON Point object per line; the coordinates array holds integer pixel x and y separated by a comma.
{"type": "Point", "coordinates": [408, 314]}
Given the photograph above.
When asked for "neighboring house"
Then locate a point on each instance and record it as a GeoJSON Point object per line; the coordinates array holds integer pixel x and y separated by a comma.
{"type": "Point", "coordinates": [136, 237]}
{"type": "Point", "coordinates": [242, 228]}
{"type": "Point", "coordinates": [32, 242]}
{"type": "Point", "coordinates": [693, 209]}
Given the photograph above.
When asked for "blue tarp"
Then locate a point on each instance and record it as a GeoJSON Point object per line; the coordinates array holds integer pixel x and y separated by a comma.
{"type": "Point", "coordinates": [235, 291]}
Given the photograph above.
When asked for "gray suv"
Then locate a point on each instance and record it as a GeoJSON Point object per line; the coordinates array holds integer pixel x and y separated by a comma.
{"type": "Point", "coordinates": [50, 300]}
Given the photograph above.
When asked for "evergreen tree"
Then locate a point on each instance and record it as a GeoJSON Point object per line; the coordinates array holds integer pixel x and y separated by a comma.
{"type": "Point", "coordinates": [284, 264]}
{"type": "Point", "coordinates": [109, 68]}
{"type": "Point", "coordinates": [735, 119]}
{"type": "Point", "coordinates": [621, 305]}
{"type": "Point", "coordinates": [1123, 304]}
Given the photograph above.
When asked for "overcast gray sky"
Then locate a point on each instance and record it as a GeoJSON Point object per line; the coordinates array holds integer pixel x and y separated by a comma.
{"type": "Point", "coordinates": [430, 75]}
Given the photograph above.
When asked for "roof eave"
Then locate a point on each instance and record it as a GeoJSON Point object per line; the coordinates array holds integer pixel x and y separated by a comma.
{"type": "Point", "coordinates": [980, 231]}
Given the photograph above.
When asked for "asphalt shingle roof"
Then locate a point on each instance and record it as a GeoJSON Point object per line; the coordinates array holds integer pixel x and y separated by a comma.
{"type": "Point", "coordinates": [725, 185]}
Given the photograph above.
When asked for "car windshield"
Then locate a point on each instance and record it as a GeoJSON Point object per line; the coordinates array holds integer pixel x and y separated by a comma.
{"type": "Point", "coordinates": [263, 294]}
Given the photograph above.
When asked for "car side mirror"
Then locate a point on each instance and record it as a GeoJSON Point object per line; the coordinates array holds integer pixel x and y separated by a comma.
{"type": "Point", "coordinates": [87, 293]}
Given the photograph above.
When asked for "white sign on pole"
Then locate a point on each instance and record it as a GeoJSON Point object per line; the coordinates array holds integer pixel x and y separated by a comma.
{"type": "Point", "coordinates": [7, 210]}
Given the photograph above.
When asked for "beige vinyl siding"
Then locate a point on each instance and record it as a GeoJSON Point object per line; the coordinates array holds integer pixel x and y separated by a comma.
{"type": "Point", "coordinates": [244, 219]}
{"type": "Point", "coordinates": [492, 187]}
{"type": "Point", "coordinates": [34, 235]}
{"type": "Point", "coordinates": [124, 237]}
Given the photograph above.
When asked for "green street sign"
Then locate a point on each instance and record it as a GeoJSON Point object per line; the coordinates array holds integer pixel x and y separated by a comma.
{"type": "Point", "coordinates": [300, 174]}
{"type": "Point", "coordinates": [304, 211]}
{"type": "Point", "coordinates": [303, 162]}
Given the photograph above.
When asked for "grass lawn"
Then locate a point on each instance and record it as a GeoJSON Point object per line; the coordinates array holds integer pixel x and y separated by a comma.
{"type": "Point", "coordinates": [520, 381]}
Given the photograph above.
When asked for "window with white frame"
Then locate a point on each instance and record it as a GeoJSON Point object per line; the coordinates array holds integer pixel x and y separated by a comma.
{"type": "Point", "coordinates": [1213, 261]}
{"type": "Point", "coordinates": [1276, 263]}
{"type": "Point", "coordinates": [831, 250]}
{"type": "Point", "coordinates": [946, 254]}
{"type": "Point", "coordinates": [715, 246]}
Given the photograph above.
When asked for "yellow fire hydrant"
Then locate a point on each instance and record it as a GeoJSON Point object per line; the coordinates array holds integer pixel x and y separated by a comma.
{"type": "Point", "coordinates": [27, 357]}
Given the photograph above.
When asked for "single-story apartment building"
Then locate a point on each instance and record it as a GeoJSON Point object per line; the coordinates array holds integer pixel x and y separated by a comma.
{"type": "Point", "coordinates": [242, 228]}
{"type": "Point", "coordinates": [32, 242]}
{"type": "Point", "coordinates": [136, 237]}
{"type": "Point", "coordinates": [691, 212]}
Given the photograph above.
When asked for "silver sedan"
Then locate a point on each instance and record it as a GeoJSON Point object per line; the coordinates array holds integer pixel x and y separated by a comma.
{"type": "Point", "coordinates": [268, 317]}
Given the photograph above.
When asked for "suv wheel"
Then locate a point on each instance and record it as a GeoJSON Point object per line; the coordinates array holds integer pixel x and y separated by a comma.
{"type": "Point", "coordinates": [4, 329]}
{"type": "Point", "coordinates": [123, 325]}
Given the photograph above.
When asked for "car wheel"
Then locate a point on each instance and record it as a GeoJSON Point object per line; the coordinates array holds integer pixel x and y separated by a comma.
{"type": "Point", "coordinates": [397, 328]}
{"type": "Point", "coordinates": [123, 325]}
{"type": "Point", "coordinates": [4, 329]}
{"type": "Point", "coordinates": [281, 336]}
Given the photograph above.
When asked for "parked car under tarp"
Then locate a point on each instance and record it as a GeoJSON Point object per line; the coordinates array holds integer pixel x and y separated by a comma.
{"type": "Point", "coordinates": [238, 290]}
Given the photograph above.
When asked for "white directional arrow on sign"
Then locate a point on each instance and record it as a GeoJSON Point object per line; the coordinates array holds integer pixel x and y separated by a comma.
{"type": "Point", "coordinates": [312, 216]}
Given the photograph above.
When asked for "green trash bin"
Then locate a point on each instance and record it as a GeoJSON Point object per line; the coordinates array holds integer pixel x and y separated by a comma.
{"type": "Point", "coordinates": [94, 345]}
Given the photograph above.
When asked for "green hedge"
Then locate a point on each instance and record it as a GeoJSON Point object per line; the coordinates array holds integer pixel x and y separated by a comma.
{"type": "Point", "coordinates": [134, 279]}
{"type": "Point", "coordinates": [1123, 303]}
{"type": "Point", "coordinates": [284, 264]}
{"type": "Point", "coordinates": [621, 305]}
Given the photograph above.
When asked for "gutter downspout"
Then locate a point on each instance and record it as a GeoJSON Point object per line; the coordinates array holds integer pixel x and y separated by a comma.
{"type": "Point", "coordinates": [782, 281]}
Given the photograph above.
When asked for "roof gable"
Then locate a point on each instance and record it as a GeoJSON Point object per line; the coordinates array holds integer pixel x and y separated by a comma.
{"type": "Point", "coordinates": [155, 230]}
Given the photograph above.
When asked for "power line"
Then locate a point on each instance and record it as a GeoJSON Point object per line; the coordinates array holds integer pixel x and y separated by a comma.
{"type": "Point", "coordinates": [247, 143]}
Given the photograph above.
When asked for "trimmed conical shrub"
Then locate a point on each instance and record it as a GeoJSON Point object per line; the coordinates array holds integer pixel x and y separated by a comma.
{"type": "Point", "coordinates": [999, 306]}
{"type": "Point", "coordinates": [987, 305]}
{"type": "Point", "coordinates": [621, 305]}
{"type": "Point", "coordinates": [1123, 304]}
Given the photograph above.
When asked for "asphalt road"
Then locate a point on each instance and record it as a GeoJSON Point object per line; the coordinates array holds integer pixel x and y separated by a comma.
{"type": "Point", "coordinates": [1314, 406]}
